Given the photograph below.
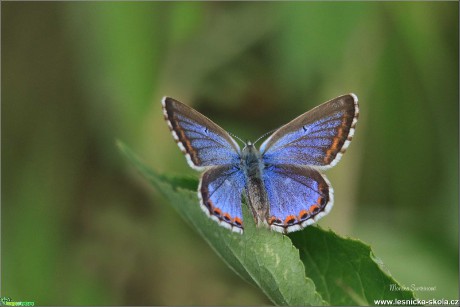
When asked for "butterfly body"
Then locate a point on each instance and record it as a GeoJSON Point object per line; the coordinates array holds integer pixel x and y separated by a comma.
{"type": "Point", "coordinates": [281, 180]}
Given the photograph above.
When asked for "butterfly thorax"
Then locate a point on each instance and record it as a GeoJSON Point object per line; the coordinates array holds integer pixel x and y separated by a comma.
{"type": "Point", "coordinates": [251, 161]}
{"type": "Point", "coordinates": [252, 165]}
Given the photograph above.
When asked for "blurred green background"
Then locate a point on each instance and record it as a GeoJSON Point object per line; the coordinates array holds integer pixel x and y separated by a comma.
{"type": "Point", "coordinates": [79, 226]}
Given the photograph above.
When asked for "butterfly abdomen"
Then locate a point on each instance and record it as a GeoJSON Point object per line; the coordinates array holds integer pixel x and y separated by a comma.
{"type": "Point", "coordinates": [256, 195]}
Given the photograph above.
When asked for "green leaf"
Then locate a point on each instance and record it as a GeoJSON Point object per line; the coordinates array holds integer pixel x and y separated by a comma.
{"type": "Point", "coordinates": [344, 270]}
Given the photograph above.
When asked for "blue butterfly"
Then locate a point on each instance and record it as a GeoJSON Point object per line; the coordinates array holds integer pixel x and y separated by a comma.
{"type": "Point", "coordinates": [281, 181]}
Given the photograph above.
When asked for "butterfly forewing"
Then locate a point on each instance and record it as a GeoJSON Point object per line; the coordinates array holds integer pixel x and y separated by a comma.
{"type": "Point", "coordinates": [316, 138]}
{"type": "Point", "coordinates": [203, 142]}
{"type": "Point", "coordinates": [298, 196]}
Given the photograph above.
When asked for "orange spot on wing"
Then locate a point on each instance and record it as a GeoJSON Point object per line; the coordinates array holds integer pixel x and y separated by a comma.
{"type": "Point", "coordinates": [334, 147]}
{"type": "Point", "coordinates": [340, 134]}
{"type": "Point", "coordinates": [237, 221]}
{"type": "Point", "coordinates": [318, 201]}
{"type": "Point", "coordinates": [335, 144]}
{"type": "Point", "coordinates": [303, 214]}
{"type": "Point", "coordinates": [290, 220]}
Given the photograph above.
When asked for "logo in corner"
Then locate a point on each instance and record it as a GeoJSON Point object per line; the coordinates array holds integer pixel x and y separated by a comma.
{"type": "Point", "coordinates": [7, 301]}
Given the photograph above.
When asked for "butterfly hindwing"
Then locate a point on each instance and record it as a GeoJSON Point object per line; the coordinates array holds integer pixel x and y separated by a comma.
{"type": "Point", "coordinates": [317, 138]}
{"type": "Point", "coordinates": [298, 196]}
{"type": "Point", "coordinates": [220, 194]}
{"type": "Point", "coordinates": [203, 142]}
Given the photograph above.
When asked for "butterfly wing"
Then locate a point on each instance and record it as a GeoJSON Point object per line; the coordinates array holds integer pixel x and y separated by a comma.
{"type": "Point", "coordinates": [203, 142]}
{"type": "Point", "coordinates": [220, 195]}
{"type": "Point", "coordinates": [298, 196]}
{"type": "Point", "coordinates": [316, 138]}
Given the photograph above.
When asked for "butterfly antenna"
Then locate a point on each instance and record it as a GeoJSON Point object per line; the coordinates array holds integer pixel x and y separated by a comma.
{"type": "Point", "coordinates": [236, 137]}
{"type": "Point", "coordinates": [265, 134]}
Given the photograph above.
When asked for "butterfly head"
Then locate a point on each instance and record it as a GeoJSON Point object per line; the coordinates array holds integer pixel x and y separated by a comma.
{"type": "Point", "coordinates": [249, 149]}
{"type": "Point", "coordinates": [248, 144]}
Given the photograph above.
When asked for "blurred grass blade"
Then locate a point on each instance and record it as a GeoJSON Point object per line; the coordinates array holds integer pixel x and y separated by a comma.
{"type": "Point", "coordinates": [264, 258]}
{"type": "Point", "coordinates": [344, 271]}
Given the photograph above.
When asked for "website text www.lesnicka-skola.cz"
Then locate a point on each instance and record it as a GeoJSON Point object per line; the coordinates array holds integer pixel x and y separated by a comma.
{"type": "Point", "coordinates": [415, 302]}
